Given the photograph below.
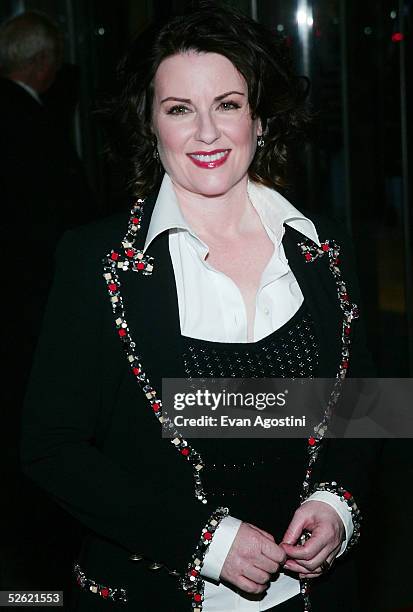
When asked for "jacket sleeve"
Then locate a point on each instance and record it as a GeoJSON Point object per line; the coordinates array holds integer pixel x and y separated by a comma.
{"type": "Point", "coordinates": [63, 411]}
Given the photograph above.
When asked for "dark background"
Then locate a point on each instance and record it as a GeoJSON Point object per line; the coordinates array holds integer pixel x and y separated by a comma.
{"type": "Point", "coordinates": [358, 167]}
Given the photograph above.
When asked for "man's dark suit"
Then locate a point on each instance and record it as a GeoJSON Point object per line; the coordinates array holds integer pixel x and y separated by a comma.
{"type": "Point", "coordinates": [90, 439]}
{"type": "Point", "coordinates": [43, 192]}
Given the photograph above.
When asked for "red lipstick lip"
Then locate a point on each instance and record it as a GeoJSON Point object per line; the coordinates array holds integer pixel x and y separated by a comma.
{"type": "Point", "coordinates": [212, 164]}
{"type": "Point", "coordinates": [214, 152]}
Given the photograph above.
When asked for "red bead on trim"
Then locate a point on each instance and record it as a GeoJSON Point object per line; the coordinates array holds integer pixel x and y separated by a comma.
{"type": "Point", "coordinates": [130, 252]}
{"type": "Point", "coordinates": [136, 221]}
{"type": "Point", "coordinates": [140, 266]}
{"type": "Point", "coordinates": [185, 452]}
{"type": "Point", "coordinates": [114, 256]}
{"type": "Point", "coordinates": [155, 406]}
{"type": "Point", "coordinates": [122, 332]}
{"type": "Point", "coordinates": [87, 584]}
{"type": "Point", "coordinates": [136, 371]}
{"type": "Point", "coordinates": [112, 287]}
{"type": "Point", "coordinates": [310, 252]}
{"type": "Point", "coordinates": [192, 582]}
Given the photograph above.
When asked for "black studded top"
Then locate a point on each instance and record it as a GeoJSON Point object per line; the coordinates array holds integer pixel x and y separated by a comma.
{"type": "Point", "coordinates": [235, 469]}
{"type": "Point", "coordinates": [292, 351]}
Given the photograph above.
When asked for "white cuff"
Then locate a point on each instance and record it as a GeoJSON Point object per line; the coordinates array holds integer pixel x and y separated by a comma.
{"type": "Point", "coordinates": [342, 509]}
{"type": "Point", "coordinates": [219, 547]}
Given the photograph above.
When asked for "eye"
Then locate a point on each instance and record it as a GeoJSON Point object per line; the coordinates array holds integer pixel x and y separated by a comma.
{"type": "Point", "coordinates": [229, 105]}
{"type": "Point", "coordinates": [178, 109]}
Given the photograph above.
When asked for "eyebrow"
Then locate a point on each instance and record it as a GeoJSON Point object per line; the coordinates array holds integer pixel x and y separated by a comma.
{"type": "Point", "coordinates": [217, 99]}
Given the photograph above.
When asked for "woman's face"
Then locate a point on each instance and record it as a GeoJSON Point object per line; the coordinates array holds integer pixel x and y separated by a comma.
{"type": "Point", "coordinates": [202, 121]}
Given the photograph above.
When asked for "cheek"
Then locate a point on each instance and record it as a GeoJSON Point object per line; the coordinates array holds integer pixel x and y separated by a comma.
{"type": "Point", "coordinates": [243, 134]}
{"type": "Point", "coordinates": [171, 139]}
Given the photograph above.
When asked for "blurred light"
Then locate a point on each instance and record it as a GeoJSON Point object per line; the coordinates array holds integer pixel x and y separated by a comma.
{"type": "Point", "coordinates": [101, 31]}
{"type": "Point", "coordinates": [304, 16]}
{"type": "Point", "coordinates": [301, 17]}
{"type": "Point", "coordinates": [280, 27]}
{"type": "Point", "coordinates": [393, 15]}
{"type": "Point", "coordinates": [397, 37]}
{"type": "Point", "coordinates": [368, 30]}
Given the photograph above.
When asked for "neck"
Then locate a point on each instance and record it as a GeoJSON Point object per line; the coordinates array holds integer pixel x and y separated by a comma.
{"type": "Point", "coordinates": [223, 215]}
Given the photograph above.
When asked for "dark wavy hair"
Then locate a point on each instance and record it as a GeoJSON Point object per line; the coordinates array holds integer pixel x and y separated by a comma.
{"type": "Point", "coordinates": [275, 94]}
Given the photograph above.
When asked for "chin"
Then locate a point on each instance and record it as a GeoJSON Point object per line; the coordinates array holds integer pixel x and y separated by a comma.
{"type": "Point", "coordinates": [213, 186]}
{"type": "Point", "coordinates": [211, 192]}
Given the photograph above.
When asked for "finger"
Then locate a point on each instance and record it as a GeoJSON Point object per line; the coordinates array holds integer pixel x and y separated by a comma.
{"type": "Point", "coordinates": [294, 529]}
{"type": "Point", "coordinates": [317, 572]}
{"type": "Point", "coordinates": [292, 566]}
{"type": "Point", "coordinates": [300, 553]}
{"type": "Point", "coordinates": [273, 552]}
{"type": "Point", "coordinates": [325, 555]}
{"type": "Point", "coordinates": [267, 565]}
{"type": "Point", "coordinates": [256, 575]}
{"type": "Point", "coordinates": [299, 568]}
{"type": "Point", "coordinates": [320, 537]}
{"type": "Point", "coordinates": [309, 564]}
{"type": "Point", "coordinates": [249, 586]}
{"type": "Point", "coordinates": [310, 576]}
{"type": "Point", "coordinates": [301, 571]}
{"type": "Point", "coordinates": [313, 566]}
{"type": "Point", "coordinates": [321, 544]}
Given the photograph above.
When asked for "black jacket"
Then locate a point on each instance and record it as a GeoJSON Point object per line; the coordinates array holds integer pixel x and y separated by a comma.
{"type": "Point", "coordinates": [90, 439]}
{"type": "Point", "coordinates": [43, 193]}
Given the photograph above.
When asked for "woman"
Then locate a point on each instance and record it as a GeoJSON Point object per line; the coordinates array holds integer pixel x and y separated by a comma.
{"type": "Point", "coordinates": [214, 275]}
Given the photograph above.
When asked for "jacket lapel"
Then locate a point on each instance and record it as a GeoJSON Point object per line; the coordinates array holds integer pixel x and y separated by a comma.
{"type": "Point", "coordinates": [151, 308]}
{"type": "Point", "coordinates": [320, 294]}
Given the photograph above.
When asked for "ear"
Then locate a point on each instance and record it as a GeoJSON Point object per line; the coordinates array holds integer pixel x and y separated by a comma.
{"type": "Point", "coordinates": [154, 133]}
{"type": "Point", "coordinates": [259, 127]}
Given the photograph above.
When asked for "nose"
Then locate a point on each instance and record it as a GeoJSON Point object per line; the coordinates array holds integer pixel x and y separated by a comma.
{"type": "Point", "coordinates": [207, 130]}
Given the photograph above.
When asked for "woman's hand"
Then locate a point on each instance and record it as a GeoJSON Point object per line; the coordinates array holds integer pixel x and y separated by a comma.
{"type": "Point", "coordinates": [252, 559]}
{"type": "Point", "coordinates": [327, 531]}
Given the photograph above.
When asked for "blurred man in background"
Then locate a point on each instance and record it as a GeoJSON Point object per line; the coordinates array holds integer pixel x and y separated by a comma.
{"type": "Point", "coordinates": [43, 188]}
{"type": "Point", "coordinates": [43, 192]}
